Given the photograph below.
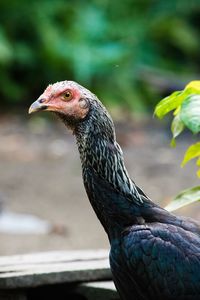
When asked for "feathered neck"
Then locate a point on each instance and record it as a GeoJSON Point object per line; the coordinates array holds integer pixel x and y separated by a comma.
{"type": "Point", "coordinates": [117, 201]}
{"type": "Point", "coordinates": [99, 150]}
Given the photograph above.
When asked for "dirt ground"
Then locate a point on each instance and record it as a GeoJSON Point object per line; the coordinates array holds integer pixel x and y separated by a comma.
{"type": "Point", "coordinates": [40, 174]}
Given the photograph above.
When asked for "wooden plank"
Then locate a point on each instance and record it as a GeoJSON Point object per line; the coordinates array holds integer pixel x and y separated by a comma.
{"type": "Point", "coordinates": [52, 268]}
{"type": "Point", "coordinates": [53, 256]}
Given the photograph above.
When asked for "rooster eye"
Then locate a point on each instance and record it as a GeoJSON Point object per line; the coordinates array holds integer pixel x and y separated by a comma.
{"type": "Point", "coordinates": [67, 96]}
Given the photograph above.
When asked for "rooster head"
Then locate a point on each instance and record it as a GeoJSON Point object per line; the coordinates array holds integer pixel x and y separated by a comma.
{"type": "Point", "coordinates": [67, 99]}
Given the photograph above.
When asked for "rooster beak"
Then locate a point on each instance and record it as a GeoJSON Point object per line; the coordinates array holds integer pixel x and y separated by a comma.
{"type": "Point", "coordinates": [36, 106]}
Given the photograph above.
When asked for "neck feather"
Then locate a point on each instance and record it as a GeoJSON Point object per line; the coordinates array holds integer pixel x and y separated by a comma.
{"type": "Point", "coordinates": [117, 201]}
{"type": "Point", "coordinates": [99, 150]}
{"type": "Point", "coordinates": [104, 174]}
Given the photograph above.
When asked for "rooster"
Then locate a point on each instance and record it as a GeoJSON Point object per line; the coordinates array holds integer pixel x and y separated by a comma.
{"type": "Point", "coordinates": [154, 254]}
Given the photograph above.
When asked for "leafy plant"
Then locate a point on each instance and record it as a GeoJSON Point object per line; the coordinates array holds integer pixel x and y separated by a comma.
{"type": "Point", "coordinates": [185, 105]}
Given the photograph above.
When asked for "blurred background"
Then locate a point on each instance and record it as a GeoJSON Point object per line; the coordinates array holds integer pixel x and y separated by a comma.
{"type": "Point", "coordinates": [131, 54]}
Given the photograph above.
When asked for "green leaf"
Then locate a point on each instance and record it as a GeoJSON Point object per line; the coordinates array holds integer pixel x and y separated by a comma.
{"type": "Point", "coordinates": [195, 85]}
{"type": "Point", "coordinates": [167, 104]}
{"type": "Point", "coordinates": [192, 152]}
{"type": "Point", "coordinates": [184, 198]}
{"type": "Point", "coordinates": [190, 113]}
{"type": "Point", "coordinates": [174, 100]}
{"type": "Point", "coordinates": [177, 126]}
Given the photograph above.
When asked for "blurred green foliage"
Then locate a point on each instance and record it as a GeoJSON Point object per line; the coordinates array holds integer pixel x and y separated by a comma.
{"type": "Point", "coordinates": [125, 51]}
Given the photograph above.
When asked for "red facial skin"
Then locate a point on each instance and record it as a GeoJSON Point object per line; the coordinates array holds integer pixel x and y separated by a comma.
{"type": "Point", "coordinates": [62, 97]}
